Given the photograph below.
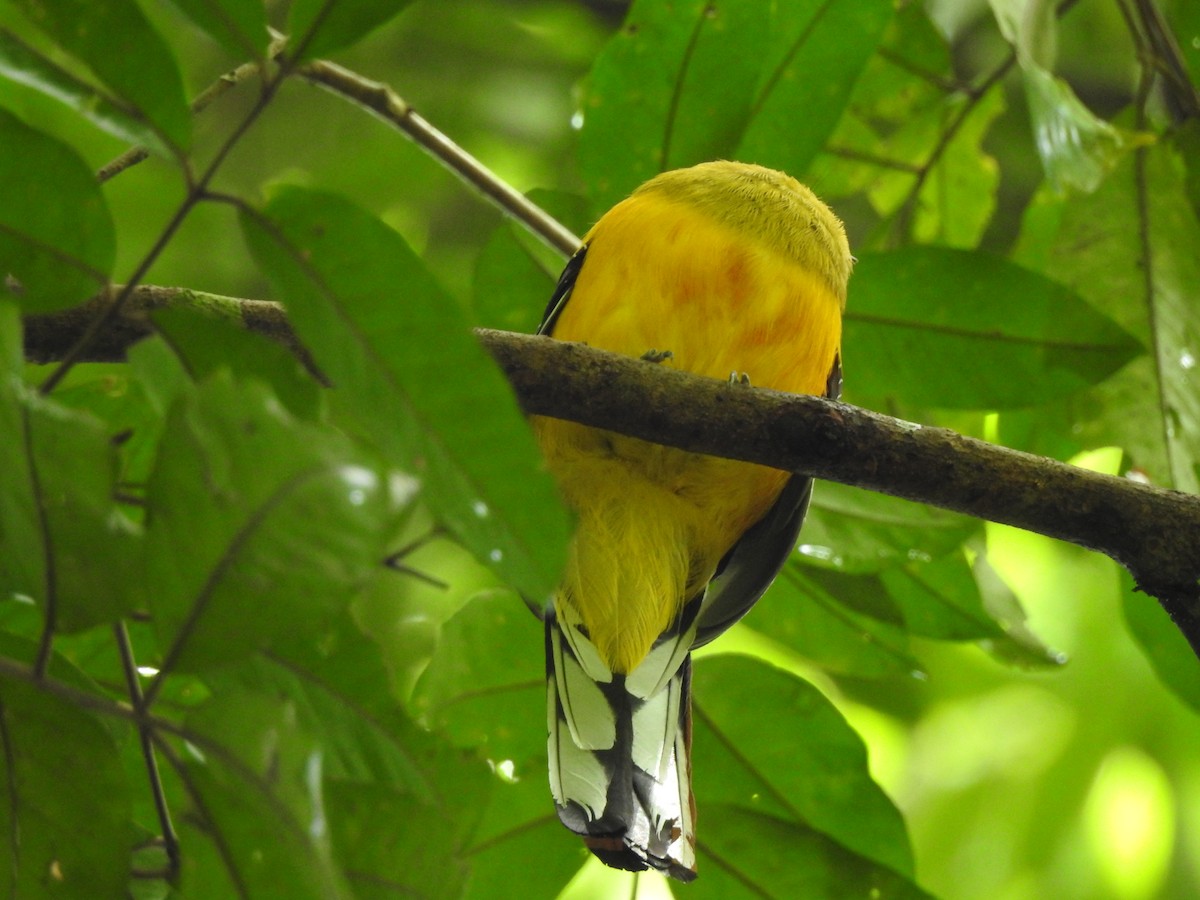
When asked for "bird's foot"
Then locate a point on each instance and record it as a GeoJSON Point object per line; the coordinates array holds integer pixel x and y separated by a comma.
{"type": "Point", "coordinates": [657, 356]}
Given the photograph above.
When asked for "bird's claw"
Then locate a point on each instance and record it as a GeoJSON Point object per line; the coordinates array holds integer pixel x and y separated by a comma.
{"type": "Point", "coordinates": [657, 356]}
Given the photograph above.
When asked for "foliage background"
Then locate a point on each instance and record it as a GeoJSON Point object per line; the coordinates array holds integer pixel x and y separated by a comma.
{"type": "Point", "coordinates": [330, 727]}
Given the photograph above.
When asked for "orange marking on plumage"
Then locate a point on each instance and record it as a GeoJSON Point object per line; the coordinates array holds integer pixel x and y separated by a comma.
{"type": "Point", "coordinates": [660, 274]}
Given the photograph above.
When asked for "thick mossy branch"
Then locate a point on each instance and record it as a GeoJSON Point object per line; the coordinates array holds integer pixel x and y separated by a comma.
{"type": "Point", "coordinates": [1154, 533]}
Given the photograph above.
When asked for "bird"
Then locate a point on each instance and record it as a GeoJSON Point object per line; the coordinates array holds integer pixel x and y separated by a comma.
{"type": "Point", "coordinates": [724, 269]}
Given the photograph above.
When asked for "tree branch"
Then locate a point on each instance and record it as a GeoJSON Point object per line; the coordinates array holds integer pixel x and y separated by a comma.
{"type": "Point", "coordinates": [1154, 533]}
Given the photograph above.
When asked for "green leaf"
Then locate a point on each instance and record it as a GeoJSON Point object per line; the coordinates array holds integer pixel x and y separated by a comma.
{"type": "Point", "coordinates": [939, 599]}
{"type": "Point", "coordinates": [894, 104]}
{"type": "Point", "coordinates": [56, 234]}
{"type": "Point", "coordinates": [244, 502]}
{"type": "Point", "coordinates": [23, 64]}
{"type": "Point", "coordinates": [117, 42]}
{"type": "Point", "coordinates": [341, 689]}
{"type": "Point", "coordinates": [88, 546]}
{"type": "Point", "coordinates": [207, 344]}
{"type": "Point", "coordinates": [508, 284]}
{"type": "Point", "coordinates": [1077, 148]}
{"type": "Point", "coordinates": [238, 25]}
{"type": "Point", "coordinates": [672, 88]}
{"type": "Point", "coordinates": [1131, 249]}
{"type": "Point", "coordinates": [687, 82]}
{"type": "Point", "coordinates": [951, 328]}
{"type": "Point", "coordinates": [67, 804]}
{"type": "Point", "coordinates": [958, 198]}
{"type": "Point", "coordinates": [1173, 659]}
{"type": "Point", "coordinates": [318, 27]}
{"type": "Point", "coordinates": [391, 844]}
{"type": "Point", "coordinates": [800, 614]}
{"type": "Point", "coordinates": [521, 842]}
{"type": "Point", "coordinates": [396, 795]}
{"type": "Point", "coordinates": [23, 560]}
{"type": "Point", "coordinates": [851, 530]}
{"type": "Point", "coordinates": [820, 49]}
{"type": "Point", "coordinates": [935, 598]}
{"type": "Point", "coordinates": [486, 685]}
{"type": "Point", "coordinates": [408, 373]}
{"type": "Point", "coordinates": [255, 782]}
{"type": "Point", "coordinates": [56, 505]}
{"type": "Point", "coordinates": [740, 856]}
{"type": "Point", "coordinates": [769, 742]}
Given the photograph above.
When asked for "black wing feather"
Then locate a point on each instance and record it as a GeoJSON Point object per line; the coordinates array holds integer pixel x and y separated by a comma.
{"type": "Point", "coordinates": [562, 291]}
{"type": "Point", "coordinates": [753, 562]}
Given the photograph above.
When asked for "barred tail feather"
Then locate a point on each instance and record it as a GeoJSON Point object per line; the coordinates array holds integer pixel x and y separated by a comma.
{"type": "Point", "coordinates": [620, 755]}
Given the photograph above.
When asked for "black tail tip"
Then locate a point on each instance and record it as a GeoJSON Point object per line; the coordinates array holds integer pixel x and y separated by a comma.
{"type": "Point", "coordinates": [616, 853]}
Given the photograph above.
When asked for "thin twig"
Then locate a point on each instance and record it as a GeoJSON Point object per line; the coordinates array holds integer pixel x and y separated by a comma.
{"type": "Point", "coordinates": [50, 558]}
{"type": "Point", "coordinates": [873, 159]}
{"type": "Point", "coordinates": [384, 102]}
{"type": "Point", "coordinates": [227, 82]}
{"type": "Point", "coordinates": [146, 734]}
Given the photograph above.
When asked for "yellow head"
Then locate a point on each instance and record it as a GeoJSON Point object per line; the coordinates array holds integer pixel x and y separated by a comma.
{"type": "Point", "coordinates": [773, 208]}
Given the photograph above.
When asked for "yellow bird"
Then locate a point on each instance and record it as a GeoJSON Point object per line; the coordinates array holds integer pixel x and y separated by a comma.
{"type": "Point", "coordinates": [727, 270]}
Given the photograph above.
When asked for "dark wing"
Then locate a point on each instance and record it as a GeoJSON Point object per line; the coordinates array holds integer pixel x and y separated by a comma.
{"type": "Point", "coordinates": [753, 562]}
{"type": "Point", "coordinates": [562, 291]}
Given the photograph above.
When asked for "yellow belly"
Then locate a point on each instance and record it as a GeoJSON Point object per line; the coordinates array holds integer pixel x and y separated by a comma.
{"type": "Point", "coordinates": [653, 522]}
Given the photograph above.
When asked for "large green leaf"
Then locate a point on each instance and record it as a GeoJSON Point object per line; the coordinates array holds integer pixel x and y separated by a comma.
{"type": "Point", "coordinates": [63, 543]}
{"type": "Point", "coordinates": [898, 87]}
{"type": "Point", "coordinates": [318, 27]}
{"type": "Point", "coordinates": [205, 344]}
{"type": "Point", "coordinates": [260, 526]}
{"type": "Point", "coordinates": [695, 57]}
{"type": "Point", "coordinates": [23, 64]}
{"type": "Point", "coordinates": [938, 598]}
{"type": "Point", "coordinates": [819, 49]}
{"type": "Point", "coordinates": [800, 614]}
{"type": "Point", "coordinates": [1165, 646]}
{"type": "Point", "coordinates": [239, 25]}
{"type": "Point", "coordinates": [770, 743]}
{"type": "Point", "coordinates": [521, 842]}
{"type": "Point", "coordinates": [688, 82]}
{"type": "Point", "coordinates": [958, 197]}
{"type": "Point", "coordinates": [56, 234]}
{"type": "Point", "coordinates": [67, 803]}
{"type": "Point", "coordinates": [935, 598]}
{"type": "Point", "coordinates": [486, 685]}
{"type": "Point", "coordinates": [1147, 284]}
{"type": "Point", "coordinates": [1077, 147]}
{"type": "Point", "coordinates": [509, 284]}
{"type": "Point", "coordinates": [117, 42]}
{"type": "Point", "coordinates": [941, 327]}
{"type": "Point", "coordinates": [258, 826]}
{"type": "Point", "coordinates": [392, 844]}
{"type": "Point", "coordinates": [341, 690]}
{"type": "Point", "coordinates": [741, 856]}
{"type": "Point", "coordinates": [408, 373]}
{"type": "Point", "coordinates": [851, 530]}
{"type": "Point", "coordinates": [88, 546]}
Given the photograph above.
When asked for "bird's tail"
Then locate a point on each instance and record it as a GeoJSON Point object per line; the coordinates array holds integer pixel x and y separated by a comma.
{"type": "Point", "coordinates": [620, 750]}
